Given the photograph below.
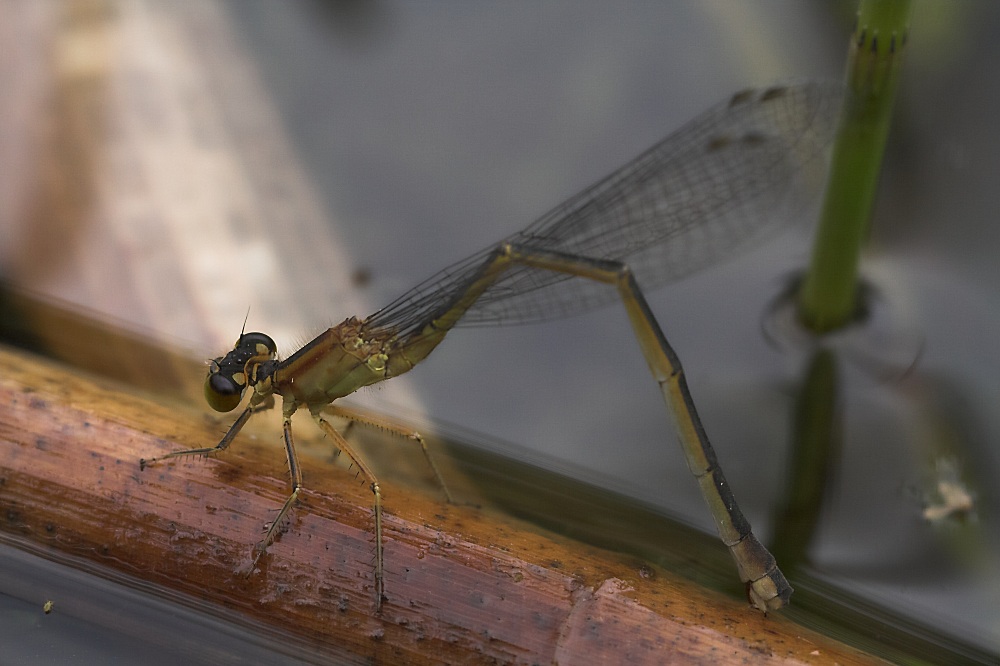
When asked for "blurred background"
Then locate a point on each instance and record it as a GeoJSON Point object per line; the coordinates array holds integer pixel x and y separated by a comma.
{"type": "Point", "coordinates": [169, 167]}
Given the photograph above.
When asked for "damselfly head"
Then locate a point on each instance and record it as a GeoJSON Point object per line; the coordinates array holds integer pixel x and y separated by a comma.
{"type": "Point", "coordinates": [231, 375]}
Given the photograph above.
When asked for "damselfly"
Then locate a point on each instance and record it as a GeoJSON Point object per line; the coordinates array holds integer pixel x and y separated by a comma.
{"type": "Point", "coordinates": [692, 198]}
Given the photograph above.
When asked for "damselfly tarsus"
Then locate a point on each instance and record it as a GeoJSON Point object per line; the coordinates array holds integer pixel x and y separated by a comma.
{"type": "Point", "coordinates": [686, 202]}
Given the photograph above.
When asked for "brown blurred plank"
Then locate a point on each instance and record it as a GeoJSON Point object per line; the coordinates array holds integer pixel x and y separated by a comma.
{"type": "Point", "coordinates": [462, 586]}
{"type": "Point", "coordinates": [147, 175]}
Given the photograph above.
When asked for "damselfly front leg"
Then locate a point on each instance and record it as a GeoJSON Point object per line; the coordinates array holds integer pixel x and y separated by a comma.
{"type": "Point", "coordinates": [227, 380]}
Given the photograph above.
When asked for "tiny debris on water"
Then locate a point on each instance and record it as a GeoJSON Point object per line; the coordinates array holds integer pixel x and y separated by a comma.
{"type": "Point", "coordinates": [952, 499]}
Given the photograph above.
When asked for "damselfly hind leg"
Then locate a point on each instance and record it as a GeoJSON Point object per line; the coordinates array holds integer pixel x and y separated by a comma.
{"type": "Point", "coordinates": [383, 422]}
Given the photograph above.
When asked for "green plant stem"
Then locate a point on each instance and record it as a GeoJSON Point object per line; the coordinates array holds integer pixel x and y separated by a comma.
{"type": "Point", "coordinates": [828, 298]}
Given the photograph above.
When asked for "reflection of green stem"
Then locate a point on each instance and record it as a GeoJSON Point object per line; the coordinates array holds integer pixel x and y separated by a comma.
{"type": "Point", "coordinates": [816, 442]}
{"type": "Point", "coordinates": [828, 298]}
